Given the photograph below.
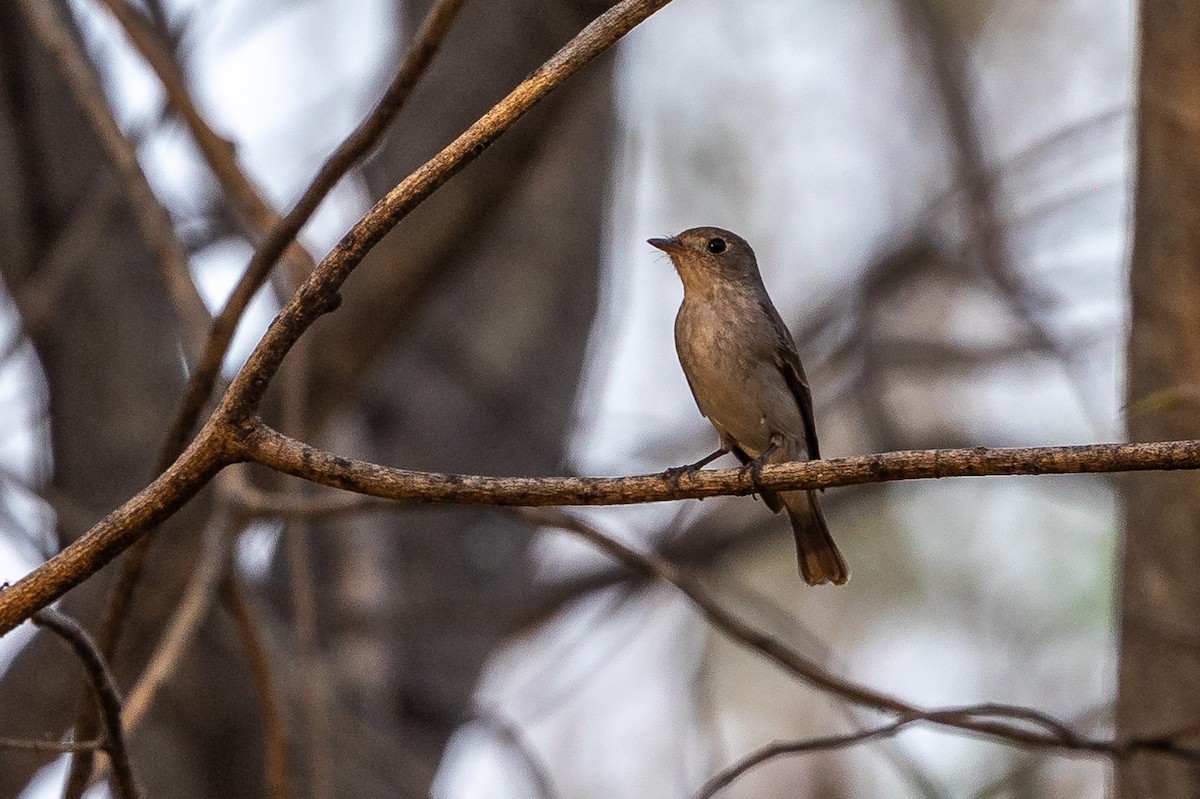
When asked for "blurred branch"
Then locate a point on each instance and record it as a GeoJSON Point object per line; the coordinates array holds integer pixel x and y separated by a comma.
{"type": "Point", "coordinates": [59, 747]}
{"type": "Point", "coordinates": [278, 234]}
{"type": "Point", "coordinates": [726, 777]}
{"type": "Point", "coordinates": [40, 294]}
{"type": "Point", "coordinates": [277, 451]}
{"type": "Point", "coordinates": [257, 214]}
{"type": "Point", "coordinates": [107, 697]}
{"type": "Point", "coordinates": [950, 76]}
{"type": "Point", "coordinates": [302, 588]}
{"type": "Point", "coordinates": [1014, 725]}
{"type": "Point", "coordinates": [251, 499]}
{"type": "Point", "coordinates": [189, 615]}
{"type": "Point", "coordinates": [153, 220]}
{"type": "Point", "coordinates": [508, 733]}
{"type": "Point", "coordinates": [261, 671]}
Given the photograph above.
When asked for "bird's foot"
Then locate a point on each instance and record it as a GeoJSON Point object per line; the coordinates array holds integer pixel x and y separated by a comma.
{"type": "Point", "coordinates": [674, 473]}
{"type": "Point", "coordinates": [754, 468]}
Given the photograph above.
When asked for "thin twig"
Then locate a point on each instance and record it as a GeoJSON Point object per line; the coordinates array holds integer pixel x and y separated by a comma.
{"type": "Point", "coordinates": [189, 615]}
{"type": "Point", "coordinates": [726, 777]}
{"type": "Point", "coordinates": [262, 673]}
{"type": "Point", "coordinates": [302, 587]}
{"type": "Point", "coordinates": [255, 213]}
{"type": "Point", "coordinates": [509, 733]}
{"type": "Point", "coordinates": [256, 501]}
{"type": "Point", "coordinates": [107, 696]}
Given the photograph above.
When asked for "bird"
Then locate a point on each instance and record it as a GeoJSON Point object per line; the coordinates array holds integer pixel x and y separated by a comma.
{"type": "Point", "coordinates": [741, 364]}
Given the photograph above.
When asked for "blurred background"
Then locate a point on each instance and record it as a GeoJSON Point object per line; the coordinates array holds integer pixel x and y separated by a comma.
{"type": "Point", "coordinates": [938, 194]}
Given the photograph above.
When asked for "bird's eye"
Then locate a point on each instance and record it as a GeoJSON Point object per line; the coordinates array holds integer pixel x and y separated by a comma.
{"type": "Point", "coordinates": [716, 246]}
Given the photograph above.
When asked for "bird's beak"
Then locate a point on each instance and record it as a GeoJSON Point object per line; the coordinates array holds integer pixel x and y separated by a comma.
{"type": "Point", "coordinates": [670, 246]}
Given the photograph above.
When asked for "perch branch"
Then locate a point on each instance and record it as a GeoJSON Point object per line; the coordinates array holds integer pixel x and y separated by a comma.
{"type": "Point", "coordinates": [279, 452]}
{"type": "Point", "coordinates": [214, 447]}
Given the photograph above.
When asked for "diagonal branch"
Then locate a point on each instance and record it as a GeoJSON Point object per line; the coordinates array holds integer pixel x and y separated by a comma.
{"type": "Point", "coordinates": [1013, 725]}
{"type": "Point", "coordinates": [726, 777]}
{"type": "Point", "coordinates": [353, 149]}
{"type": "Point", "coordinates": [262, 674]}
{"type": "Point", "coordinates": [216, 445]}
{"type": "Point", "coordinates": [58, 747]}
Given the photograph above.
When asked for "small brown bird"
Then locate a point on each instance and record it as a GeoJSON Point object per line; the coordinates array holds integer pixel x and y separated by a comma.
{"type": "Point", "coordinates": [741, 364]}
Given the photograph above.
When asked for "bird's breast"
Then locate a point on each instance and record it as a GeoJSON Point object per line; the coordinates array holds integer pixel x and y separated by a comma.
{"type": "Point", "coordinates": [736, 383]}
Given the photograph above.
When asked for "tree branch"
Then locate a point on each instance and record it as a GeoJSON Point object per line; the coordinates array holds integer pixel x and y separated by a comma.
{"type": "Point", "coordinates": [55, 747]}
{"type": "Point", "coordinates": [1010, 724]}
{"type": "Point", "coordinates": [107, 696]}
{"type": "Point", "coordinates": [726, 777]}
{"type": "Point", "coordinates": [361, 141]}
{"type": "Point", "coordinates": [212, 448]}
{"type": "Point", "coordinates": [277, 451]}
{"type": "Point", "coordinates": [262, 673]}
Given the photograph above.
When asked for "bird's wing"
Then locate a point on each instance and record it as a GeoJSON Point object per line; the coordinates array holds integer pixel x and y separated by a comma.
{"type": "Point", "coordinates": [788, 362]}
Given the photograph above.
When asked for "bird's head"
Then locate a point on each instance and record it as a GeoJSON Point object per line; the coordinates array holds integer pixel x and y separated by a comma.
{"type": "Point", "coordinates": [702, 255]}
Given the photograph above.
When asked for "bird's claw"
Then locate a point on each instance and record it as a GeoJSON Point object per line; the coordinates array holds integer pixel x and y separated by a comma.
{"type": "Point", "coordinates": [754, 470]}
{"type": "Point", "coordinates": [673, 474]}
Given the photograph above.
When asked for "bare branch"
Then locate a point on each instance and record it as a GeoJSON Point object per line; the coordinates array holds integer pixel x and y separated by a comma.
{"type": "Point", "coordinates": [319, 294]}
{"type": "Point", "coordinates": [726, 777]}
{"type": "Point", "coordinates": [189, 615]}
{"type": "Point", "coordinates": [283, 231]}
{"type": "Point", "coordinates": [154, 221]}
{"type": "Point", "coordinates": [192, 610]}
{"type": "Point", "coordinates": [55, 747]}
{"type": "Point", "coordinates": [107, 696]}
{"type": "Point", "coordinates": [255, 212]}
{"type": "Point", "coordinates": [279, 236]}
{"type": "Point", "coordinates": [262, 673]}
{"type": "Point", "coordinates": [988, 720]}
{"type": "Point", "coordinates": [273, 449]}
{"type": "Point", "coordinates": [214, 446]}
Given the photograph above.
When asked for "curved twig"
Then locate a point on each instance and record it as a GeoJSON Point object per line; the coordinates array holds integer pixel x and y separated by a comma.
{"type": "Point", "coordinates": [726, 777]}
{"type": "Point", "coordinates": [107, 696]}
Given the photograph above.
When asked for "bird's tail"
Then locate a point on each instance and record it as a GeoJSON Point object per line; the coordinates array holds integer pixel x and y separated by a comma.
{"type": "Point", "coordinates": [820, 560]}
